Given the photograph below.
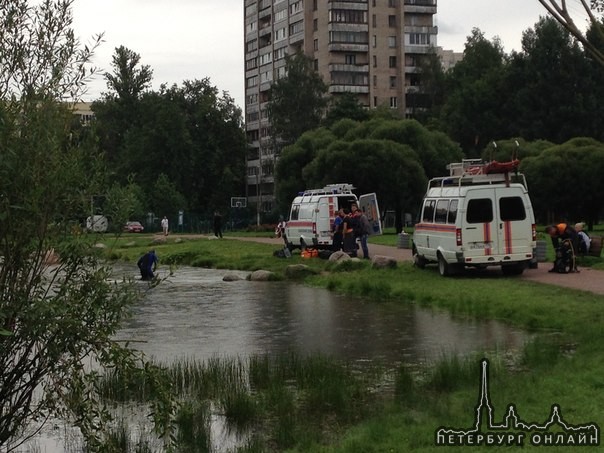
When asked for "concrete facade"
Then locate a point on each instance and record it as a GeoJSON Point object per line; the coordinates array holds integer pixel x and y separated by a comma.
{"type": "Point", "coordinates": [372, 48]}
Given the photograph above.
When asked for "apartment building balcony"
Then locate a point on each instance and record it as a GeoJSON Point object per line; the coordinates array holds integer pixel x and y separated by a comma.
{"type": "Point", "coordinates": [412, 69]}
{"type": "Point", "coordinates": [265, 30]}
{"type": "Point", "coordinates": [356, 89]}
{"type": "Point", "coordinates": [349, 68]}
{"type": "Point", "coordinates": [420, 6]}
{"type": "Point", "coordinates": [347, 47]}
{"type": "Point", "coordinates": [264, 5]}
{"type": "Point", "coordinates": [297, 38]}
{"type": "Point", "coordinates": [427, 30]}
{"type": "Point", "coordinates": [336, 4]}
{"type": "Point", "coordinates": [418, 49]}
{"type": "Point", "coordinates": [253, 154]}
{"type": "Point", "coordinates": [348, 27]}
{"type": "Point", "coordinates": [265, 86]}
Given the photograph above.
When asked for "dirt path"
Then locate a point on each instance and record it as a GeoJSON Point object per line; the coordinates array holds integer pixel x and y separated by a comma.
{"type": "Point", "coordinates": [587, 279]}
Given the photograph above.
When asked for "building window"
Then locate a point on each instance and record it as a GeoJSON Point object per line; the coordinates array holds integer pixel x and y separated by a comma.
{"type": "Point", "coordinates": [392, 21]}
{"type": "Point", "coordinates": [348, 16]}
{"type": "Point", "coordinates": [354, 37]}
{"type": "Point", "coordinates": [391, 41]}
{"type": "Point", "coordinates": [393, 102]}
{"type": "Point", "coordinates": [295, 8]}
{"type": "Point", "coordinates": [281, 72]}
{"type": "Point", "coordinates": [251, 81]}
{"type": "Point", "coordinates": [266, 76]}
{"type": "Point", "coordinates": [419, 39]}
{"type": "Point", "coordinates": [316, 64]}
{"type": "Point", "coordinates": [266, 58]}
{"type": "Point", "coordinates": [374, 80]}
{"type": "Point", "coordinates": [374, 20]}
{"type": "Point", "coordinates": [375, 101]}
{"type": "Point", "coordinates": [314, 5]}
{"type": "Point", "coordinates": [249, 10]}
{"type": "Point", "coordinates": [280, 53]}
{"type": "Point", "coordinates": [375, 61]}
{"type": "Point", "coordinates": [350, 59]}
{"type": "Point", "coordinates": [280, 34]}
{"type": "Point", "coordinates": [392, 3]}
{"type": "Point", "coordinates": [392, 82]}
{"type": "Point", "coordinates": [374, 41]}
{"type": "Point", "coordinates": [315, 24]}
{"type": "Point", "coordinates": [392, 62]}
{"type": "Point", "coordinates": [252, 45]}
{"type": "Point", "coordinates": [316, 44]}
{"type": "Point", "coordinates": [280, 15]}
{"type": "Point", "coordinates": [252, 63]}
{"type": "Point", "coordinates": [251, 27]}
{"type": "Point", "coordinates": [296, 27]}
{"type": "Point", "coordinates": [252, 99]}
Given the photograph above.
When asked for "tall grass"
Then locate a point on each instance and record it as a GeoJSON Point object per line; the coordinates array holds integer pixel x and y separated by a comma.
{"type": "Point", "coordinates": [284, 399]}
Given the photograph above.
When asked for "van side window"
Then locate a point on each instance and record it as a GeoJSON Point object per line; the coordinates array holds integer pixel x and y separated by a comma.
{"type": "Point", "coordinates": [511, 208]}
{"type": "Point", "coordinates": [441, 211]}
{"type": "Point", "coordinates": [452, 212]}
{"type": "Point", "coordinates": [428, 215]}
{"type": "Point", "coordinates": [480, 210]}
{"type": "Point", "coordinates": [295, 212]}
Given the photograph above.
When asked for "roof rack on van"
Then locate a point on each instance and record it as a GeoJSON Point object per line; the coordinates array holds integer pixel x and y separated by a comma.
{"type": "Point", "coordinates": [330, 189]}
{"type": "Point", "coordinates": [475, 171]}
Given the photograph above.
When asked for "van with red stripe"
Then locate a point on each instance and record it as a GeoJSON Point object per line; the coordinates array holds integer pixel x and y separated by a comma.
{"type": "Point", "coordinates": [313, 212]}
{"type": "Point", "coordinates": [480, 215]}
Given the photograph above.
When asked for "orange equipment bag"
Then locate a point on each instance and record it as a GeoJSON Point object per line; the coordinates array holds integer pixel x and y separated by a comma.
{"type": "Point", "coordinates": [309, 253]}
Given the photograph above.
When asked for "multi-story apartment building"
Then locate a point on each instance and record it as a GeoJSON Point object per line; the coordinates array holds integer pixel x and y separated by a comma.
{"type": "Point", "coordinates": [372, 48]}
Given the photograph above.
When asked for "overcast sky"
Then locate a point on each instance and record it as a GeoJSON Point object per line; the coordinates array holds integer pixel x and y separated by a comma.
{"type": "Point", "coordinates": [193, 39]}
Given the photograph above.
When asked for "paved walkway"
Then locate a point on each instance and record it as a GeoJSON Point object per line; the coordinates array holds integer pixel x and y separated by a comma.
{"type": "Point", "coordinates": [587, 279]}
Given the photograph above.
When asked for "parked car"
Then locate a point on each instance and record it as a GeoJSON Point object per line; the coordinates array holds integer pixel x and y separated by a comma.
{"type": "Point", "coordinates": [133, 227]}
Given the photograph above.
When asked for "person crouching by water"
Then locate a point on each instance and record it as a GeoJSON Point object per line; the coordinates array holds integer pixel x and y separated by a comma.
{"type": "Point", "coordinates": [147, 265]}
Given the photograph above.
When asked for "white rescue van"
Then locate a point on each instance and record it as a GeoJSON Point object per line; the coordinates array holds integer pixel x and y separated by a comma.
{"type": "Point", "coordinates": [313, 212]}
{"type": "Point", "coordinates": [480, 215]}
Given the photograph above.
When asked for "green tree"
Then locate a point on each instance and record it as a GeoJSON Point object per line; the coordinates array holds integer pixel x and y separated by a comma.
{"type": "Point", "coordinates": [289, 179]}
{"type": "Point", "coordinates": [52, 319]}
{"type": "Point", "coordinates": [346, 105]}
{"type": "Point", "coordinates": [471, 113]}
{"type": "Point", "coordinates": [298, 100]}
{"type": "Point", "coordinates": [129, 79]}
{"type": "Point", "coordinates": [551, 62]}
{"type": "Point", "coordinates": [565, 181]}
{"type": "Point", "coordinates": [382, 155]}
{"type": "Point", "coordinates": [560, 12]}
{"type": "Point", "coordinates": [193, 134]}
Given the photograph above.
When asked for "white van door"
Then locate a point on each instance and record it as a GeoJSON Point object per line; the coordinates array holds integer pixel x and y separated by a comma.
{"type": "Point", "coordinates": [326, 213]}
{"type": "Point", "coordinates": [497, 222]}
{"type": "Point", "coordinates": [369, 205]}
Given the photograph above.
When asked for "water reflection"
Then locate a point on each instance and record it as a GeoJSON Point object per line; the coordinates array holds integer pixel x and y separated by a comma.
{"type": "Point", "coordinates": [196, 314]}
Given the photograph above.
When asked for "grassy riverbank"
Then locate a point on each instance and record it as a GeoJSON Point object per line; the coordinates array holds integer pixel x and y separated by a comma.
{"type": "Point", "coordinates": [563, 365]}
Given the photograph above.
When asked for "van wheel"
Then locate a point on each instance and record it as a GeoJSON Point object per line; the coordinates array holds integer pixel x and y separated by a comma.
{"type": "Point", "coordinates": [443, 266]}
{"type": "Point", "coordinates": [418, 260]}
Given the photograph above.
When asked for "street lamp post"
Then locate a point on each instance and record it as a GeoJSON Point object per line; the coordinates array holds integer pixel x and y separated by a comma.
{"type": "Point", "coordinates": [258, 195]}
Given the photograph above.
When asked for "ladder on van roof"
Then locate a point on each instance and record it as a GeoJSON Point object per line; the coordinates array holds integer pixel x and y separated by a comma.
{"type": "Point", "coordinates": [471, 172]}
{"type": "Point", "coordinates": [330, 189]}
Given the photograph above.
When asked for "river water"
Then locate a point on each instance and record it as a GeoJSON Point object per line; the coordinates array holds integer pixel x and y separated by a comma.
{"type": "Point", "coordinates": [195, 314]}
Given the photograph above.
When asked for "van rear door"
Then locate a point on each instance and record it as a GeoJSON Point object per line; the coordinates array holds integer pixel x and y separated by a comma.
{"type": "Point", "coordinates": [497, 222]}
{"type": "Point", "coordinates": [369, 205]}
